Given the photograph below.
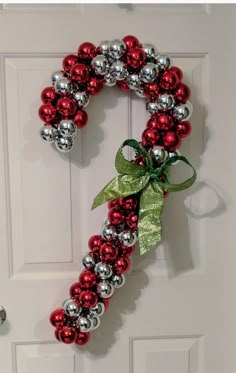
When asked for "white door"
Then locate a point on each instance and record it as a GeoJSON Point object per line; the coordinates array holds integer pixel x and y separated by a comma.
{"type": "Point", "coordinates": [177, 311]}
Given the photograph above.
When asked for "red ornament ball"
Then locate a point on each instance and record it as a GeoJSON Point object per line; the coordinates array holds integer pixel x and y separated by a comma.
{"type": "Point", "coordinates": [182, 93]}
{"type": "Point", "coordinates": [86, 51]}
{"type": "Point", "coordinates": [128, 203]}
{"type": "Point", "coordinates": [108, 252]}
{"type": "Point", "coordinates": [87, 279]}
{"type": "Point", "coordinates": [75, 291]}
{"type": "Point", "coordinates": [150, 137]}
{"type": "Point", "coordinates": [171, 140]}
{"type": "Point", "coordinates": [122, 84]}
{"type": "Point", "coordinates": [67, 334]}
{"type": "Point", "coordinates": [66, 106]}
{"type": "Point", "coordinates": [48, 95]}
{"type": "Point", "coordinates": [177, 71]}
{"type": "Point", "coordinates": [139, 160]}
{"type": "Point", "coordinates": [169, 80]}
{"type": "Point", "coordinates": [132, 220]}
{"type": "Point", "coordinates": [151, 90]}
{"type": "Point", "coordinates": [183, 129]}
{"type": "Point", "coordinates": [69, 61]}
{"type": "Point", "coordinates": [136, 58]}
{"type": "Point", "coordinates": [122, 265]}
{"type": "Point", "coordinates": [82, 338]}
{"type": "Point", "coordinates": [95, 242]}
{"type": "Point", "coordinates": [127, 250]}
{"type": "Point", "coordinates": [47, 113]}
{"type": "Point", "coordinates": [114, 203]}
{"type": "Point", "coordinates": [57, 334]}
{"type": "Point", "coordinates": [58, 317]}
{"type": "Point", "coordinates": [116, 216]}
{"type": "Point", "coordinates": [131, 41]}
{"type": "Point", "coordinates": [88, 299]}
{"type": "Point", "coordinates": [80, 73]}
{"type": "Point", "coordinates": [94, 86]}
{"type": "Point", "coordinates": [80, 118]}
{"type": "Point", "coordinates": [164, 122]}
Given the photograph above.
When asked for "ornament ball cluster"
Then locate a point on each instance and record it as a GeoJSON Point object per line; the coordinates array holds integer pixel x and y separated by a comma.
{"type": "Point", "coordinates": [129, 65]}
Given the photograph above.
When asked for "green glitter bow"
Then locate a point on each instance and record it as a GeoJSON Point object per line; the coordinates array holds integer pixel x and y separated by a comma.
{"type": "Point", "coordinates": [150, 183]}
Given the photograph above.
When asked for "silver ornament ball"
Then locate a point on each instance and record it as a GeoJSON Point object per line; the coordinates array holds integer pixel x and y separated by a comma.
{"type": "Point", "coordinates": [183, 112]}
{"type": "Point", "coordinates": [56, 76]}
{"type": "Point", "coordinates": [88, 261]}
{"type": "Point", "coordinates": [82, 98]}
{"type": "Point", "coordinates": [67, 128]}
{"type": "Point", "coordinates": [105, 289]}
{"type": "Point", "coordinates": [128, 238]}
{"type": "Point", "coordinates": [133, 81]}
{"type": "Point", "coordinates": [64, 144]}
{"type": "Point", "coordinates": [107, 232]}
{"type": "Point", "coordinates": [163, 61]}
{"type": "Point", "coordinates": [165, 102]}
{"type": "Point", "coordinates": [85, 324]}
{"type": "Point", "coordinates": [103, 270]}
{"type": "Point", "coordinates": [118, 281]}
{"type": "Point", "coordinates": [152, 107]}
{"type": "Point", "coordinates": [150, 50]}
{"type": "Point", "coordinates": [98, 310]}
{"type": "Point", "coordinates": [110, 81]}
{"type": "Point", "coordinates": [140, 92]}
{"type": "Point", "coordinates": [118, 70]}
{"type": "Point", "coordinates": [117, 48]}
{"type": "Point", "coordinates": [71, 308]}
{"type": "Point", "coordinates": [63, 86]}
{"type": "Point", "coordinates": [103, 47]}
{"type": "Point", "coordinates": [48, 133]}
{"type": "Point", "coordinates": [100, 64]}
{"type": "Point", "coordinates": [159, 154]}
{"type": "Point", "coordinates": [149, 72]}
{"type": "Point", "coordinates": [173, 154]}
{"type": "Point", "coordinates": [95, 320]}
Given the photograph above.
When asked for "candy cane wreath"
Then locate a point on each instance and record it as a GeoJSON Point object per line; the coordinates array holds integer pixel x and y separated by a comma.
{"type": "Point", "coordinates": [137, 194]}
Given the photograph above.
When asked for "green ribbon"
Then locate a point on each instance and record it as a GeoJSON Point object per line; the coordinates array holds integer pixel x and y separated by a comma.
{"type": "Point", "coordinates": [150, 182]}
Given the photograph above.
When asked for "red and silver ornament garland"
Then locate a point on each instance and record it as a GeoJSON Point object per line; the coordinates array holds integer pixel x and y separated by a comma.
{"type": "Point", "coordinates": [130, 66]}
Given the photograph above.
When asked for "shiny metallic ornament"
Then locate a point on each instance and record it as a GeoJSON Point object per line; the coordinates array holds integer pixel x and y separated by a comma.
{"type": "Point", "coordinates": [88, 261]}
{"type": "Point", "coordinates": [85, 324]}
{"type": "Point", "coordinates": [117, 48]}
{"type": "Point", "coordinates": [103, 47]}
{"type": "Point", "coordinates": [165, 102]}
{"type": "Point", "coordinates": [56, 76]}
{"type": "Point", "coordinates": [163, 61]}
{"type": "Point", "coordinates": [118, 70]}
{"type": "Point", "coordinates": [105, 289]}
{"type": "Point", "coordinates": [71, 308]}
{"type": "Point", "coordinates": [150, 51]}
{"type": "Point", "coordinates": [64, 144]}
{"type": "Point", "coordinates": [100, 64]}
{"type": "Point", "coordinates": [82, 99]}
{"type": "Point", "coordinates": [110, 81]}
{"type": "Point", "coordinates": [128, 238]}
{"type": "Point", "coordinates": [183, 112]}
{"type": "Point", "coordinates": [108, 232]}
{"type": "Point", "coordinates": [63, 86]}
{"type": "Point", "coordinates": [98, 310]}
{"type": "Point", "coordinates": [95, 321]}
{"type": "Point", "coordinates": [159, 154]}
{"type": "Point", "coordinates": [149, 72]}
{"type": "Point", "coordinates": [103, 270]}
{"type": "Point", "coordinates": [140, 92]}
{"type": "Point", "coordinates": [67, 128]}
{"type": "Point", "coordinates": [152, 107]}
{"type": "Point", "coordinates": [48, 133]}
{"type": "Point", "coordinates": [173, 154]}
{"type": "Point", "coordinates": [133, 81]}
{"type": "Point", "coordinates": [118, 281]}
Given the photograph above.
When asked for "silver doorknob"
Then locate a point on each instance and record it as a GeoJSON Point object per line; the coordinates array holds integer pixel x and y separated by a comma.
{"type": "Point", "coordinates": [3, 315]}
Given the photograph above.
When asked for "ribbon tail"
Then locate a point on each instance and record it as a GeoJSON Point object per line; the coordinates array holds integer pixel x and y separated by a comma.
{"type": "Point", "coordinates": [120, 186]}
{"type": "Point", "coordinates": [149, 223]}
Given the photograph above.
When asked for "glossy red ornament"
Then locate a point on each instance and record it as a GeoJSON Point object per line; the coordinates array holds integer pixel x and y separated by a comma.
{"type": "Point", "coordinates": [131, 41]}
{"type": "Point", "coordinates": [116, 216]}
{"type": "Point", "coordinates": [86, 51]}
{"type": "Point", "coordinates": [80, 118]}
{"type": "Point", "coordinates": [127, 250]}
{"type": "Point", "coordinates": [165, 193]}
{"type": "Point", "coordinates": [75, 290]}
{"type": "Point", "coordinates": [87, 279]}
{"type": "Point", "coordinates": [132, 220]}
{"type": "Point", "coordinates": [163, 121]}
{"type": "Point", "coordinates": [88, 299]}
{"type": "Point", "coordinates": [121, 265]}
{"type": "Point", "coordinates": [94, 86]}
{"type": "Point", "coordinates": [48, 95]}
{"type": "Point", "coordinates": [129, 203]}
{"type": "Point", "coordinates": [82, 338]}
{"type": "Point", "coordinates": [139, 160]}
{"type": "Point", "coordinates": [122, 84]}
{"type": "Point", "coordinates": [69, 61]}
{"type": "Point", "coordinates": [80, 73]}
{"type": "Point", "coordinates": [183, 129]}
{"type": "Point", "coordinates": [58, 317]}
{"type": "Point", "coordinates": [57, 334]}
{"type": "Point", "coordinates": [150, 137]}
{"type": "Point", "coordinates": [171, 140]}
{"type": "Point", "coordinates": [67, 334]}
{"type": "Point", "coordinates": [151, 90]}
{"type": "Point", "coordinates": [47, 113]}
{"type": "Point", "coordinates": [177, 71]}
{"type": "Point", "coordinates": [108, 251]}
{"type": "Point", "coordinates": [181, 93]}
{"type": "Point", "coordinates": [114, 203]}
{"type": "Point", "coordinates": [66, 106]}
{"type": "Point", "coordinates": [95, 242]}
{"type": "Point", "coordinates": [169, 80]}
{"type": "Point", "coordinates": [136, 57]}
